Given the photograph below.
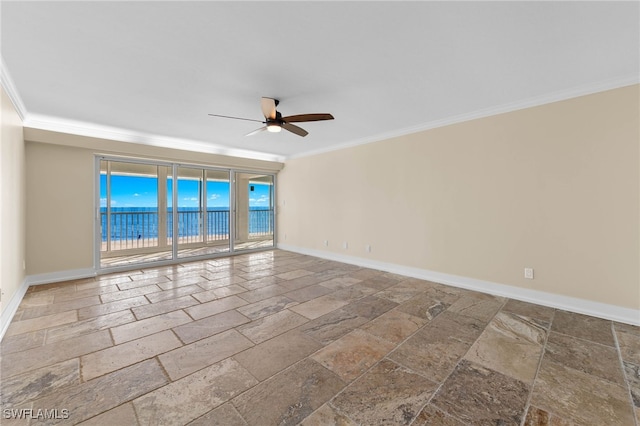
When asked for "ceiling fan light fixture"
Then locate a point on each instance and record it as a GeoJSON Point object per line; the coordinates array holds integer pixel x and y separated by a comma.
{"type": "Point", "coordinates": [273, 127]}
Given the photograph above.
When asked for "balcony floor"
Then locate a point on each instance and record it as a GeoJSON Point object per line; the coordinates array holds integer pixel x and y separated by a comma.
{"type": "Point", "coordinates": [275, 337]}
{"type": "Point", "coordinates": [130, 259]}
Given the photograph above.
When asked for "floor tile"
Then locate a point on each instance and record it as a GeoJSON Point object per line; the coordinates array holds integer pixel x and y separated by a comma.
{"type": "Point", "coordinates": [394, 340]}
{"type": "Point", "coordinates": [141, 282]}
{"type": "Point", "coordinates": [153, 309]}
{"type": "Point", "coordinates": [62, 307]}
{"type": "Point", "coordinates": [479, 395]}
{"type": "Point", "coordinates": [632, 372]}
{"type": "Point", "coordinates": [327, 415]}
{"type": "Point", "coordinates": [86, 292]}
{"type": "Point", "coordinates": [368, 307]}
{"type": "Point", "coordinates": [435, 350]}
{"type": "Point", "coordinates": [399, 292]}
{"type": "Point", "coordinates": [294, 274]}
{"type": "Point", "coordinates": [116, 357]}
{"type": "Point", "coordinates": [208, 326]}
{"type": "Point", "coordinates": [221, 282]}
{"type": "Point", "coordinates": [480, 306]}
{"type": "Point", "coordinates": [629, 344]}
{"type": "Point", "coordinates": [261, 282]}
{"type": "Point", "coordinates": [298, 283]}
{"type": "Point", "coordinates": [215, 307]}
{"type": "Point", "coordinates": [307, 293]}
{"type": "Point", "coordinates": [319, 306]}
{"type": "Point", "coordinates": [431, 415]}
{"type": "Point", "coordinates": [224, 415]}
{"type": "Point", "coordinates": [121, 415]}
{"type": "Point", "coordinates": [268, 358]}
{"type": "Point", "coordinates": [91, 325]}
{"type": "Point", "coordinates": [20, 362]}
{"type": "Point", "coordinates": [272, 325]}
{"type": "Point", "coordinates": [38, 383]}
{"type": "Point", "coordinates": [194, 395]}
{"type": "Point", "coordinates": [510, 345]}
{"type": "Point", "coordinates": [203, 353]}
{"type": "Point", "coordinates": [586, 356]}
{"type": "Point", "coordinates": [146, 327]}
{"type": "Point", "coordinates": [96, 396]}
{"type": "Point", "coordinates": [126, 294]}
{"type": "Point", "coordinates": [353, 354]}
{"type": "Point", "coordinates": [266, 307]}
{"type": "Point", "coordinates": [40, 323]}
{"type": "Point", "coordinates": [424, 305]}
{"type": "Point", "coordinates": [339, 283]}
{"type": "Point", "coordinates": [290, 396]}
{"type": "Point", "coordinates": [538, 417]}
{"type": "Point", "coordinates": [266, 292]}
{"type": "Point", "coordinates": [108, 308]}
{"type": "Point", "coordinates": [22, 342]}
{"type": "Point", "coordinates": [394, 326]}
{"type": "Point", "coordinates": [584, 327]}
{"type": "Point", "coordinates": [332, 326]}
{"type": "Point", "coordinates": [542, 314]}
{"type": "Point", "coordinates": [581, 397]}
{"type": "Point", "coordinates": [387, 394]}
{"type": "Point", "coordinates": [174, 293]}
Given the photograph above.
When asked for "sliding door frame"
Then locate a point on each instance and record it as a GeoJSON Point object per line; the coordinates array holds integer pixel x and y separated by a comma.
{"type": "Point", "coordinates": [174, 212]}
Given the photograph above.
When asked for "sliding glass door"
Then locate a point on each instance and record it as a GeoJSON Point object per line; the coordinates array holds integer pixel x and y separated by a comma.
{"type": "Point", "coordinates": [254, 203]}
{"type": "Point", "coordinates": [203, 211]}
{"type": "Point", "coordinates": [152, 212]}
{"type": "Point", "coordinates": [131, 213]}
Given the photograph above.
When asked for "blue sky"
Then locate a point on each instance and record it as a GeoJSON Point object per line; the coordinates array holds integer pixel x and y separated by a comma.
{"type": "Point", "coordinates": [138, 191]}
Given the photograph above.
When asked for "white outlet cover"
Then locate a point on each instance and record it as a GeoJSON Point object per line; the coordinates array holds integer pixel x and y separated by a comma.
{"type": "Point", "coordinates": [528, 273]}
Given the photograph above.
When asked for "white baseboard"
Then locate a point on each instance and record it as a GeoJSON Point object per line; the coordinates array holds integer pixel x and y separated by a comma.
{"type": "Point", "coordinates": [12, 307]}
{"type": "Point", "coordinates": [572, 304]}
{"type": "Point", "coordinates": [52, 277]}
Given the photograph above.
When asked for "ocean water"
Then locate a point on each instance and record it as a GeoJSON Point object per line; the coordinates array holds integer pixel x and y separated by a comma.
{"type": "Point", "coordinates": [135, 223]}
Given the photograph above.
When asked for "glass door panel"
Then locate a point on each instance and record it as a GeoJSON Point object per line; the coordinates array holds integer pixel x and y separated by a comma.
{"type": "Point", "coordinates": [190, 212]}
{"type": "Point", "coordinates": [203, 211]}
{"type": "Point", "coordinates": [129, 219]}
{"type": "Point", "coordinates": [218, 219]}
{"type": "Point", "coordinates": [253, 211]}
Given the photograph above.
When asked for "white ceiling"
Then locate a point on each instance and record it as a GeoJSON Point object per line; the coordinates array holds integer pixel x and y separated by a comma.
{"type": "Point", "coordinates": [150, 72]}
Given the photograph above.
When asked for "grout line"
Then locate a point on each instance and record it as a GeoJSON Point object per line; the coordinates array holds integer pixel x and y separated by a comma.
{"type": "Point", "coordinates": [624, 373]}
{"type": "Point", "coordinates": [535, 377]}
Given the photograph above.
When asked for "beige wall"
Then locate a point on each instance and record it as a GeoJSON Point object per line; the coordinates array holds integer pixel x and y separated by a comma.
{"type": "Point", "coordinates": [12, 202]}
{"type": "Point", "coordinates": [555, 187]}
{"type": "Point", "coordinates": [60, 193]}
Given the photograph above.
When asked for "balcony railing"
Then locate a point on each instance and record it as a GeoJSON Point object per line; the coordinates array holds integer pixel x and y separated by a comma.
{"type": "Point", "coordinates": [140, 229]}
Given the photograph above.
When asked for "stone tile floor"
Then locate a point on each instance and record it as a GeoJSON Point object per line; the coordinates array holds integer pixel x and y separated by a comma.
{"type": "Point", "coordinates": [281, 338]}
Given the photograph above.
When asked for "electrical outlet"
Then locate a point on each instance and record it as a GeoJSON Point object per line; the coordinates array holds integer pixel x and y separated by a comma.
{"type": "Point", "coordinates": [326, 243]}
{"type": "Point", "coordinates": [285, 236]}
{"type": "Point", "coordinates": [528, 273]}
{"type": "Point", "coordinates": [367, 248]}
{"type": "Point", "coordinates": [345, 245]}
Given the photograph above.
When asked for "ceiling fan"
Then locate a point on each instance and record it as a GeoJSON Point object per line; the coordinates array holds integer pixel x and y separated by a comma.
{"type": "Point", "coordinates": [275, 122]}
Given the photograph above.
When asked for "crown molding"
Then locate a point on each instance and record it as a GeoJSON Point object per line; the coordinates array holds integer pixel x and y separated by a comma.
{"type": "Point", "coordinates": [10, 88]}
{"type": "Point", "coordinates": [56, 124]}
{"type": "Point", "coordinates": [558, 96]}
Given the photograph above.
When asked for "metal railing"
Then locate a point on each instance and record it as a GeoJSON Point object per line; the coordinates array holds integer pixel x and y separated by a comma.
{"type": "Point", "coordinates": [140, 229]}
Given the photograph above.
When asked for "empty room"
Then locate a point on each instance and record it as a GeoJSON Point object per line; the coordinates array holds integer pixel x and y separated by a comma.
{"type": "Point", "coordinates": [320, 213]}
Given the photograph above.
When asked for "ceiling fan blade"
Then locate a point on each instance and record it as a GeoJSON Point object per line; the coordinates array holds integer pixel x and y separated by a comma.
{"type": "Point", "coordinates": [269, 108]}
{"type": "Point", "coordinates": [261, 129]}
{"type": "Point", "coordinates": [306, 117]}
{"type": "Point", "coordinates": [295, 129]}
{"type": "Point", "coordinates": [236, 118]}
